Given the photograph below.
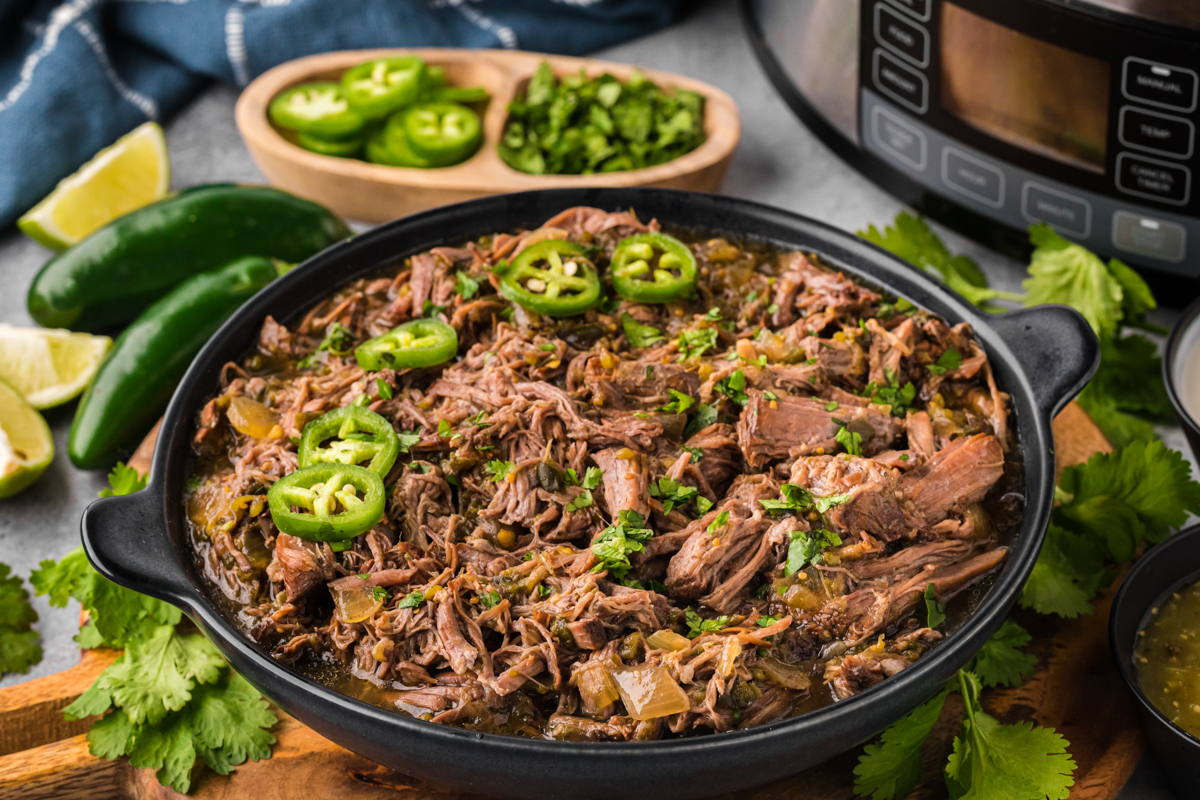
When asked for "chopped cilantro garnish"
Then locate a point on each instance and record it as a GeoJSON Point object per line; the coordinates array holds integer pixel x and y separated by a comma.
{"type": "Point", "coordinates": [640, 335]}
{"type": "Point", "coordinates": [718, 522]}
{"type": "Point", "coordinates": [696, 342]}
{"type": "Point", "coordinates": [466, 286]}
{"type": "Point", "coordinates": [947, 362]}
{"type": "Point", "coordinates": [680, 402]}
{"type": "Point", "coordinates": [698, 625]}
{"type": "Point", "coordinates": [851, 441]}
{"type": "Point", "coordinates": [614, 544]}
{"type": "Point", "coordinates": [498, 470]}
{"type": "Point", "coordinates": [734, 387]}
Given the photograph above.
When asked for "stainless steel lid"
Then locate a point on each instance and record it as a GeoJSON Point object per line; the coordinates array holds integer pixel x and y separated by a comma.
{"type": "Point", "coordinates": [1183, 13]}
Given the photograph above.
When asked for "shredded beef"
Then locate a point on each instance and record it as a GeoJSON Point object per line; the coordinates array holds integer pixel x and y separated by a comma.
{"type": "Point", "coordinates": [747, 506]}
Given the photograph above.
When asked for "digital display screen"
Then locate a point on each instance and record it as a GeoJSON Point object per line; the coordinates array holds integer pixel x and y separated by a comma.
{"type": "Point", "coordinates": [1027, 92]}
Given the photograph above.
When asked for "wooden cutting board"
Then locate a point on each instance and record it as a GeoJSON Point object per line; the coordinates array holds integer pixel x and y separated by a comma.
{"type": "Point", "coordinates": [1076, 691]}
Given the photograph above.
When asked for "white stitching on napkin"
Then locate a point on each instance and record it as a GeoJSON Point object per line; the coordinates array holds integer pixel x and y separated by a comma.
{"type": "Point", "coordinates": [235, 44]}
{"type": "Point", "coordinates": [506, 35]}
{"type": "Point", "coordinates": [59, 18]}
{"type": "Point", "coordinates": [146, 105]}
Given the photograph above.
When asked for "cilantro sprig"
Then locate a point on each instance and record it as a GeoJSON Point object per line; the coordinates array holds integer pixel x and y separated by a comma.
{"type": "Point", "coordinates": [169, 699]}
{"type": "Point", "coordinates": [698, 625]}
{"type": "Point", "coordinates": [990, 761]}
{"type": "Point", "coordinates": [1107, 508]}
{"type": "Point", "coordinates": [19, 648]}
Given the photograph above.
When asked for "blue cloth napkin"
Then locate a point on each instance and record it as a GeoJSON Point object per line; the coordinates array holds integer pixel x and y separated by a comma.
{"type": "Point", "coordinates": [74, 76]}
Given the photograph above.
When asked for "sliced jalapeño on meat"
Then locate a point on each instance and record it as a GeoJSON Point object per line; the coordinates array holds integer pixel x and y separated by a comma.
{"type": "Point", "coordinates": [318, 109]}
{"type": "Point", "coordinates": [442, 133]}
{"type": "Point", "coordinates": [327, 502]}
{"type": "Point", "coordinates": [379, 87]}
{"type": "Point", "coordinates": [420, 343]}
{"type": "Point", "coordinates": [353, 436]}
{"type": "Point", "coordinates": [552, 277]}
{"type": "Point", "coordinates": [653, 268]}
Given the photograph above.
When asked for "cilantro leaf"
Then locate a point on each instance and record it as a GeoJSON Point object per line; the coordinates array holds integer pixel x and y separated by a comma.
{"type": "Point", "coordinates": [1069, 571]}
{"type": "Point", "coordinates": [672, 493]}
{"type": "Point", "coordinates": [1109, 506]}
{"type": "Point", "coordinates": [19, 648]}
{"type": "Point", "coordinates": [718, 522]}
{"type": "Point", "coordinates": [498, 470]}
{"type": "Point", "coordinates": [1062, 272]}
{"type": "Point", "coordinates": [734, 387]}
{"type": "Point", "coordinates": [1000, 661]}
{"type": "Point", "coordinates": [705, 415]}
{"type": "Point", "coordinates": [935, 612]}
{"type": "Point", "coordinates": [156, 675]}
{"type": "Point", "coordinates": [802, 551]}
{"type": "Point", "coordinates": [912, 239]}
{"type": "Point", "coordinates": [226, 724]}
{"type": "Point", "coordinates": [697, 624]}
{"type": "Point", "coordinates": [490, 599]}
{"type": "Point", "coordinates": [591, 478]}
{"type": "Point", "coordinates": [582, 500]}
{"type": "Point", "coordinates": [123, 480]}
{"type": "Point", "coordinates": [1155, 483]}
{"type": "Point", "coordinates": [382, 389]}
{"type": "Point", "coordinates": [466, 286]}
{"type": "Point", "coordinates": [1127, 393]}
{"type": "Point", "coordinates": [1137, 299]}
{"type": "Point", "coordinates": [680, 402]}
{"type": "Point", "coordinates": [412, 599]}
{"type": "Point", "coordinates": [117, 614]}
{"type": "Point", "coordinates": [696, 342]}
{"type": "Point", "coordinates": [339, 341]}
{"type": "Point", "coordinates": [947, 362]}
{"type": "Point", "coordinates": [992, 761]}
{"type": "Point", "coordinates": [640, 335]}
{"type": "Point", "coordinates": [614, 544]}
{"type": "Point", "coordinates": [850, 441]}
{"type": "Point", "coordinates": [890, 769]}
{"type": "Point", "coordinates": [407, 440]}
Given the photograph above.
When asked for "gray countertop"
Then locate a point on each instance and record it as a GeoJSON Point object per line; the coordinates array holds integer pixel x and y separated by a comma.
{"type": "Point", "coordinates": [778, 162]}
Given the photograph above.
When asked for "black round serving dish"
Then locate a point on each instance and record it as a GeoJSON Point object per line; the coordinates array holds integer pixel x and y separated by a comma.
{"type": "Point", "coordinates": [1166, 568]}
{"type": "Point", "coordinates": [1041, 357]}
{"type": "Point", "coordinates": [1178, 345]}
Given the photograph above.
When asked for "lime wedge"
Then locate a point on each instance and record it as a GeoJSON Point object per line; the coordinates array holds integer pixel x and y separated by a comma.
{"type": "Point", "coordinates": [26, 447]}
{"type": "Point", "coordinates": [47, 366]}
{"type": "Point", "coordinates": [133, 172]}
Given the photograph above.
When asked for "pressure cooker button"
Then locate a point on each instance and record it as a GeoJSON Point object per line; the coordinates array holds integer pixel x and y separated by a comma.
{"type": "Point", "coordinates": [901, 83]}
{"type": "Point", "coordinates": [901, 35]}
{"type": "Point", "coordinates": [918, 8]}
{"type": "Point", "coordinates": [1157, 180]}
{"type": "Point", "coordinates": [1145, 236]}
{"type": "Point", "coordinates": [973, 177]}
{"type": "Point", "coordinates": [1158, 133]}
{"type": "Point", "coordinates": [1069, 214]}
{"type": "Point", "coordinates": [898, 138]}
{"type": "Point", "coordinates": [1159, 84]}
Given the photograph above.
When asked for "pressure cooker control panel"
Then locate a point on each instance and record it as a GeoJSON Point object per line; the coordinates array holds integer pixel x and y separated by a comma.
{"type": "Point", "coordinates": [1089, 127]}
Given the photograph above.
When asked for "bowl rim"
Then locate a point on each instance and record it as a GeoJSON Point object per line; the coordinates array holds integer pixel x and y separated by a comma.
{"type": "Point", "coordinates": [1189, 318]}
{"type": "Point", "coordinates": [1032, 413]}
{"type": "Point", "coordinates": [1124, 660]}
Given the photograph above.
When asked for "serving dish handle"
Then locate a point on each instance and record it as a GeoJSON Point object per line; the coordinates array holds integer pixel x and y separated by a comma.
{"type": "Point", "coordinates": [1056, 348]}
{"type": "Point", "coordinates": [124, 539]}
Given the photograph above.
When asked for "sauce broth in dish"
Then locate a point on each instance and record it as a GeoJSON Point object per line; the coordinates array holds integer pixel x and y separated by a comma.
{"type": "Point", "coordinates": [610, 520]}
{"type": "Point", "coordinates": [1168, 658]}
